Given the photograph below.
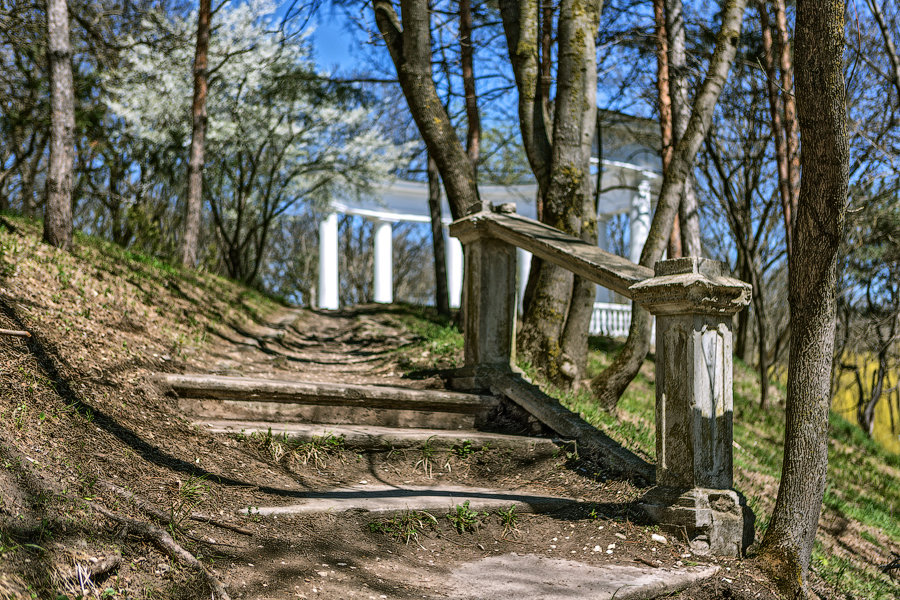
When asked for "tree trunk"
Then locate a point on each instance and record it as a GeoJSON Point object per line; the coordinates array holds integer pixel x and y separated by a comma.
{"type": "Point", "coordinates": [792, 130]}
{"type": "Point", "coordinates": [58, 210]}
{"type": "Point", "coordinates": [761, 335]}
{"type": "Point", "coordinates": [688, 217]}
{"type": "Point", "coordinates": [776, 106]}
{"type": "Point", "coordinates": [665, 109]}
{"type": "Point", "coordinates": [466, 53]}
{"type": "Point", "coordinates": [191, 237]}
{"type": "Point", "coordinates": [441, 292]}
{"type": "Point", "coordinates": [409, 45]}
{"type": "Point", "coordinates": [574, 341]}
{"type": "Point", "coordinates": [609, 385]}
{"type": "Point", "coordinates": [819, 48]}
{"type": "Point", "coordinates": [553, 337]}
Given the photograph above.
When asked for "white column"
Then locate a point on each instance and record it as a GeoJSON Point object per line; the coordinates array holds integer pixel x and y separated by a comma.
{"type": "Point", "coordinates": [603, 294]}
{"type": "Point", "coordinates": [328, 263]}
{"type": "Point", "coordinates": [523, 266]}
{"type": "Point", "coordinates": [454, 271]}
{"type": "Point", "coordinates": [639, 218]}
{"type": "Point", "coordinates": [384, 262]}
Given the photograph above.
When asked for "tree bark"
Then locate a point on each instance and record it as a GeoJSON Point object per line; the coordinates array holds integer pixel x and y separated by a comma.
{"type": "Point", "coordinates": [792, 129]}
{"type": "Point", "coordinates": [665, 109]}
{"type": "Point", "coordinates": [58, 208]}
{"type": "Point", "coordinates": [441, 291]}
{"type": "Point", "coordinates": [688, 218]}
{"type": "Point", "coordinates": [609, 385]}
{"type": "Point", "coordinates": [466, 53]}
{"type": "Point", "coordinates": [819, 47]}
{"type": "Point", "coordinates": [520, 24]}
{"type": "Point", "coordinates": [190, 241]}
{"type": "Point", "coordinates": [409, 45]}
{"type": "Point", "coordinates": [574, 341]}
{"type": "Point", "coordinates": [776, 106]}
{"type": "Point", "coordinates": [553, 337]}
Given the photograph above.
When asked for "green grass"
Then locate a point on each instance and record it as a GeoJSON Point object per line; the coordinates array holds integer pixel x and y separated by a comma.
{"type": "Point", "coordinates": [406, 526]}
{"type": "Point", "coordinates": [464, 519]}
{"type": "Point", "coordinates": [845, 575]}
{"type": "Point", "coordinates": [439, 342]}
{"type": "Point", "coordinates": [863, 479]}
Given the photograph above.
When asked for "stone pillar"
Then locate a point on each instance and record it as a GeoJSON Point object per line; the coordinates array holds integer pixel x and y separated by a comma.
{"type": "Point", "coordinates": [489, 308]}
{"type": "Point", "coordinates": [523, 268]}
{"type": "Point", "coordinates": [694, 302]}
{"type": "Point", "coordinates": [454, 271]}
{"type": "Point", "coordinates": [329, 289]}
{"type": "Point", "coordinates": [384, 262]}
{"type": "Point", "coordinates": [639, 219]}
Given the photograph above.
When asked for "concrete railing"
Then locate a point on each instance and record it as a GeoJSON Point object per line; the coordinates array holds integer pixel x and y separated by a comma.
{"type": "Point", "coordinates": [693, 301]}
{"type": "Point", "coordinates": [610, 319]}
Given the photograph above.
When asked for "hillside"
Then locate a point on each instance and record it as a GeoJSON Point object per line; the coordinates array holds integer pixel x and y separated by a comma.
{"type": "Point", "coordinates": [101, 467]}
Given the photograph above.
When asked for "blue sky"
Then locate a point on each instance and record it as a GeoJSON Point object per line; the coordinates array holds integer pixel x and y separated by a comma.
{"type": "Point", "coordinates": [333, 39]}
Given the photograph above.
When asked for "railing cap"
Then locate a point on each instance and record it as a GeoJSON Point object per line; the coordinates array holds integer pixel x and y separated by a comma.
{"type": "Point", "coordinates": [691, 285]}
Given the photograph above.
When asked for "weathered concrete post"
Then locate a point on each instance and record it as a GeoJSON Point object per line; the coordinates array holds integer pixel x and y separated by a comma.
{"type": "Point", "coordinates": [694, 302]}
{"type": "Point", "coordinates": [489, 305]}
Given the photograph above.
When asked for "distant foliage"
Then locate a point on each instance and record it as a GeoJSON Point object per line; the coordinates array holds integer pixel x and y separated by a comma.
{"type": "Point", "coordinates": [280, 137]}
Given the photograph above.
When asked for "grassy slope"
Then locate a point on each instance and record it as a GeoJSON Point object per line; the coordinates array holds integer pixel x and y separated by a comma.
{"type": "Point", "coordinates": [75, 401]}
{"type": "Point", "coordinates": [859, 526]}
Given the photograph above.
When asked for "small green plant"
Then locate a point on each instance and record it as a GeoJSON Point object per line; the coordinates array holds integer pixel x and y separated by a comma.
{"type": "Point", "coordinates": [274, 446]}
{"type": "Point", "coordinates": [464, 449]}
{"type": "Point", "coordinates": [63, 276]}
{"type": "Point", "coordinates": [279, 447]}
{"type": "Point", "coordinates": [318, 449]}
{"type": "Point", "coordinates": [20, 414]}
{"type": "Point", "coordinates": [407, 526]}
{"type": "Point", "coordinates": [464, 518]}
{"type": "Point", "coordinates": [427, 459]}
{"type": "Point", "coordinates": [191, 494]}
{"type": "Point", "coordinates": [509, 519]}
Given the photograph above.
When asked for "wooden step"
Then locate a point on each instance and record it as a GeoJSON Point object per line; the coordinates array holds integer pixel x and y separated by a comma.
{"type": "Point", "coordinates": [245, 398]}
{"type": "Point", "coordinates": [376, 438]}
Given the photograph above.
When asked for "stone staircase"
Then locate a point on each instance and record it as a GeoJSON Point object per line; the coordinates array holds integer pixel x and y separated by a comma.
{"type": "Point", "coordinates": [368, 417]}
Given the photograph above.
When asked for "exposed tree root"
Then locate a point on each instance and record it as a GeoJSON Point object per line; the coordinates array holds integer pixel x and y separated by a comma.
{"type": "Point", "coordinates": [105, 567]}
{"type": "Point", "coordinates": [161, 538]}
{"type": "Point", "coordinates": [161, 516]}
{"type": "Point", "coordinates": [167, 544]}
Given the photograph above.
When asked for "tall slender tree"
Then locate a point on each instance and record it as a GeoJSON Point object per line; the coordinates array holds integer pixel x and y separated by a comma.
{"type": "Point", "coordinates": [822, 111]}
{"type": "Point", "coordinates": [408, 39]}
{"type": "Point", "coordinates": [439, 251]}
{"type": "Point", "coordinates": [191, 236]}
{"type": "Point", "coordinates": [609, 385]}
{"type": "Point", "coordinates": [688, 218]}
{"type": "Point", "coordinates": [665, 109]}
{"type": "Point", "coordinates": [58, 213]}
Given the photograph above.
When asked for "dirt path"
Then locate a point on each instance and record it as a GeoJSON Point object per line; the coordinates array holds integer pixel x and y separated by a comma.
{"type": "Point", "coordinates": [362, 554]}
{"type": "Point", "coordinates": [357, 347]}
